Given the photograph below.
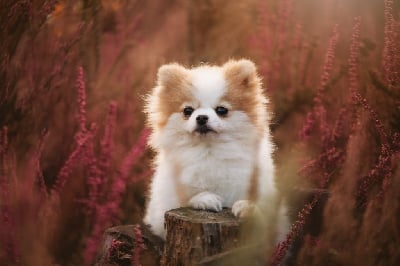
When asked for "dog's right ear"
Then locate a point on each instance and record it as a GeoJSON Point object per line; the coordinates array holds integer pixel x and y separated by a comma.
{"type": "Point", "coordinates": [172, 75]}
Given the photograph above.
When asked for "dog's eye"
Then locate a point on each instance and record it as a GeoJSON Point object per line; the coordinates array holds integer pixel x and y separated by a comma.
{"type": "Point", "coordinates": [221, 111]}
{"type": "Point", "coordinates": [187, 111]}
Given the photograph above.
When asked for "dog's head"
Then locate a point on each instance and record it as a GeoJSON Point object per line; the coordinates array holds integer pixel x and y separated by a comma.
{"type": "Point", "coordinates": [207, 101]}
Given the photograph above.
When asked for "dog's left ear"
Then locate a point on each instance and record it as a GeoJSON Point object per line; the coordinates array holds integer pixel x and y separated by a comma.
{"type": "Point", "coordinates": [242, 73]}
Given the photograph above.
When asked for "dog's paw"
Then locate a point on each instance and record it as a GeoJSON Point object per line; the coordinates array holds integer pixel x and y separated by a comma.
{"type": "Point", "coordinates": [206, 201]}
{"type": "Point", "coordinates": [244, 208]}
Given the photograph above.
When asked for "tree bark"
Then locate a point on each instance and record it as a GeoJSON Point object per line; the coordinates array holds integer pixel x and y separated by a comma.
{"type": "Point", "coordinates": [194, 237]}
{"type": "Point", "coordinates": [197, 237]}
{"type": "Point", "coordinates": [128, 245]}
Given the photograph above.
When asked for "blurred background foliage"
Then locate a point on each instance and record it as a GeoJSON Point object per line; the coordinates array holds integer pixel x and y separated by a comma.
{"type": "Point", "coordinates": [72, 79]}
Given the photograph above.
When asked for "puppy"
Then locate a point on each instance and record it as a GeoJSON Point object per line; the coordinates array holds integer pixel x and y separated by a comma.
{"type": "Point", "coordinates": [210, 131]}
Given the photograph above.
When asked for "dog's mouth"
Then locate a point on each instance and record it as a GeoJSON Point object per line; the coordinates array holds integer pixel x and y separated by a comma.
{"type": "Point", "coordinates": [204, 129]}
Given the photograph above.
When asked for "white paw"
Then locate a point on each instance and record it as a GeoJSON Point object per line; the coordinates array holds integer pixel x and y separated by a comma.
{"type": "Point", "coordinates": [206, 201]}
{"type": "Point", "coordinates": [243, 208]}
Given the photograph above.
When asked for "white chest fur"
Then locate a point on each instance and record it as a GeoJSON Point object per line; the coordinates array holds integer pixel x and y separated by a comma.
{"type": "Point", "coordinates": [220, 168]}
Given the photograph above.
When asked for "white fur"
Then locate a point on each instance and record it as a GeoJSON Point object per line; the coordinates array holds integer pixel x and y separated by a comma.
{"type": "Point", "coordinates": [208, 85]}
{"type": "Point", "coordinates": [208, 171]}
{"type": "Point", "coordinates": [206, 201]}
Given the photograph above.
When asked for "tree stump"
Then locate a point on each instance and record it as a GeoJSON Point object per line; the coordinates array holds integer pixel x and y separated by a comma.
{"type": "Point", "coordinates": [194, 237]}
{"type": "Point", "coordinates": [198, 237]}
{"type": "Point", "coordinates": [128, 245]}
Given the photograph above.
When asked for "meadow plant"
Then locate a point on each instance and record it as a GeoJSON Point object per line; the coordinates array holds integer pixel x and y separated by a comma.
{"type": "Point", "coordinates": [7, 231]}
{"type": "Point", "coordinates": [390, 55]}
{"type": "Point", "coordinates": [138, 246]}
{"type": "Point", "coordinates": [339, 169]}
{"type": "Point", "coordinates": [74, 161]}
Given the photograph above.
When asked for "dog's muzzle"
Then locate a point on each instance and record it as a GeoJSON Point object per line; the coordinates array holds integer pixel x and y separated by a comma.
{"type": "Point", "coordinates": [202, 127]}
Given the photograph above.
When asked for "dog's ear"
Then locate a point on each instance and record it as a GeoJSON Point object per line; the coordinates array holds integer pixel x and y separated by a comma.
{"type": "Point", "coordinates": [172, 75]}
{"type": "Point", "coordinates": [241, 73]}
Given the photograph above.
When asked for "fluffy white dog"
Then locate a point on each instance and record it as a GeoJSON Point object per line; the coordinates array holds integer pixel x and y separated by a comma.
{"type": "Point", "coordinates": [210, 131]}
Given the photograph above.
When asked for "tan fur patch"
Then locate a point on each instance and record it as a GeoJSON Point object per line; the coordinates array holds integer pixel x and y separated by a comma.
{"type": "Point", "coordinates": [172, 91]}
{"type": "Point", "coordinates": [245, 91]}
{"type": "Point", "coordinates": [253, 186]}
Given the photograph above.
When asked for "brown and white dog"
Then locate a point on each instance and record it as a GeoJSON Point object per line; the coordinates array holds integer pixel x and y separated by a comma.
{"type": "Point", "coordinates": [214, 150]}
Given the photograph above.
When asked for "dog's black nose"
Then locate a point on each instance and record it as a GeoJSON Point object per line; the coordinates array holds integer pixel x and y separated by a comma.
{"type": "Point", "coordinates": [201, 120]}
